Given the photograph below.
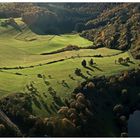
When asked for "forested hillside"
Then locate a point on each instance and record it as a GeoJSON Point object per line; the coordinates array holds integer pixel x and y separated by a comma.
{"type": "Point", "coordinates": [113, 25]}
{"type": "Point", "coordinates": [52, 18]}
{"type": "Point", "coordinates": [117, 28]}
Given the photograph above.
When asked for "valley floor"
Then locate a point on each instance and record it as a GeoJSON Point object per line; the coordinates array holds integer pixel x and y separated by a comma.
{"type": "Point", "coordinates": [22, 64]}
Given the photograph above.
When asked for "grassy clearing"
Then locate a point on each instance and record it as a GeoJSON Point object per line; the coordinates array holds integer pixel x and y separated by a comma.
{"type": "Point", "coordinates": [35, 44]}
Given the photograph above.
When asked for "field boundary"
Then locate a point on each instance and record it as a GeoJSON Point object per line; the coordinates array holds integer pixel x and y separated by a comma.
{"type": "Point", "coordinates": [56, 61]}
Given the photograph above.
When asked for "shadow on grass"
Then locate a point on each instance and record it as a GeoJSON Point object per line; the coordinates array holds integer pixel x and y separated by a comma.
{"type": "Point", "coordinates": [46, 108]}
{"type": "Point", "coordinates": [65, 85]}
{"type": "Point", "coordinates": [53, 108]}
{"type": "Point", "coordinates": [71, 77]}
{"type": "Point", "coordinates": [58, 101]}
{"type": "Point", "coordinates": [56, 106]}
{"type": "Point", "coordinates": [96, 68]}
{"type": "Point", "coordinates": [83, 76]}
{"type": "Point", "coordinates": [131, 62]}
{"type": "Point", "coordinates": [89, 73]}
{"type": "Point", "coordinates": [88, 68]}
{"type": "Point", "coordinates": [125, 64]}
{"type": "Point", "coordinates": [37, 103]}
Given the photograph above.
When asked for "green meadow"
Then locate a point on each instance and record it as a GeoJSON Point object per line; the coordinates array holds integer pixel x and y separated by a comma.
{"type": "Point", "coordinates": [23, 49]}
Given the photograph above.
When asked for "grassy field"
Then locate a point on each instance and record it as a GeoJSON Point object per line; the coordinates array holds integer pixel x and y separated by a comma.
{"type": "Point", "coordinates": [24, 48]}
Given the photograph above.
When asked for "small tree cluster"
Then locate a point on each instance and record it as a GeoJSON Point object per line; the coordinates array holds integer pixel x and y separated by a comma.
{"type": "Point", "coordinates": [84, 63]}
{"type": "Point", "coordinates": [78, 71]}
{"type": "Point", "coordinates": [123, 60]}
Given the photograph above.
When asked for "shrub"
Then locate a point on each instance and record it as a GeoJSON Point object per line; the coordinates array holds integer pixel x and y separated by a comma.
{"type": "Point", "coordinates": [127, 59]}
{"type": "Point", "coordinates": [78, 71]}
{"type": "Point", "coordinates": [39, 75]}
{"type": "Point", "coordinates": [50, 76]}
{"type": "Point", "coordinates": [120, 60]}
{"type": "Point", "coordinates": [91, 62]}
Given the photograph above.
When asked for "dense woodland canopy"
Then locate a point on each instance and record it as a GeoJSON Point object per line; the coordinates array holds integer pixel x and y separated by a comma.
{"type": "Point", "coordinates": [116, 28]}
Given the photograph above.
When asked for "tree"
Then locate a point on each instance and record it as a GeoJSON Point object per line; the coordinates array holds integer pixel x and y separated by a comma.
{"type": "Point", "coordinates": [39, 75]}
{"type": "Point", "coordinates": [120, 60]}
{"type": "Point", "coordinates": [91, 62]}
{"type": "Point", "coordinates": [84, 63]}
{"type": "Point", "coordinates": [78, 71]}
{"type": "Point", "coordinates": [127, 59]}
{"type": "Point", "coordinates": [90, 85]}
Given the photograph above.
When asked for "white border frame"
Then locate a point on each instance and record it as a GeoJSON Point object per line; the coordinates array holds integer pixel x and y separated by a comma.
{"type": "Point", "coordinates": [71, 1]}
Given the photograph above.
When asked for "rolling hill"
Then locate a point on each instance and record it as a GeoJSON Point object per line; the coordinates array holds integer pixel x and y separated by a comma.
{"type": "Point", "coordinates": [42, 70]}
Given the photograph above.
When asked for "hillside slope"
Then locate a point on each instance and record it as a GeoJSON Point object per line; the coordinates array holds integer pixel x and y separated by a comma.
{"type": "Point", "coordinates": [54, 18]}
{"type": "Point", "coordinates": [116, 28]}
